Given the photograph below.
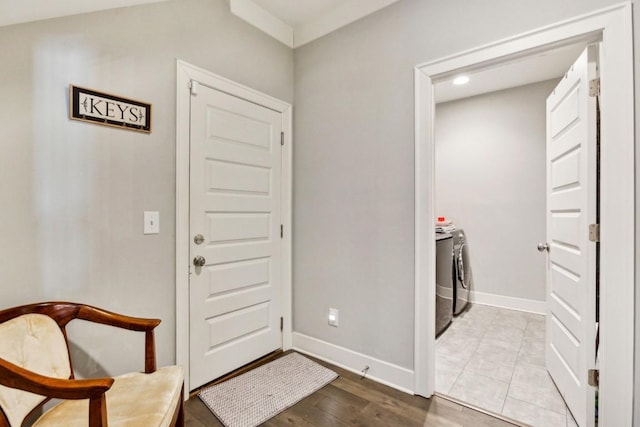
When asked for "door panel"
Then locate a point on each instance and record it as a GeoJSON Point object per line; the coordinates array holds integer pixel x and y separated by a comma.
{"type": "Point", "coordinates": [571, 207]}
{"type": "Point", "coordinates": [234, 178]}
{"type": "Point", "coordinates": [566, 171]}
{"type": "Point", "coordinates": [236, 297]}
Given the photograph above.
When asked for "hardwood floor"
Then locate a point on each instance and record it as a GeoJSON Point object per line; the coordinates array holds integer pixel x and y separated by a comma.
{"type": "Point", "coordinates": [351, 401]}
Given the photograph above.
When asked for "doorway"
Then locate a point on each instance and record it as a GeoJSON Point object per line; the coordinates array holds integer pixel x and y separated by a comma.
{"type": "Point", "coordinates": [490, 183]}
{"type": "Point", "coordinates": [192, 80]}
{"type": "Point", "coordinates": [618, 194]}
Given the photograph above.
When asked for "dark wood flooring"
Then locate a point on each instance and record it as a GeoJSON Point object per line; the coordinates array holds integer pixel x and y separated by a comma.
{"type": "Point", "coordinates": [351, 401]}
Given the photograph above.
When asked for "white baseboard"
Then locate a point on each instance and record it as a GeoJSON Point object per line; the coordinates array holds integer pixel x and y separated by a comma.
{"type": "Point", "coordinates": [380, 371]}
{"type": "Point", "coordinates": [522, 304]}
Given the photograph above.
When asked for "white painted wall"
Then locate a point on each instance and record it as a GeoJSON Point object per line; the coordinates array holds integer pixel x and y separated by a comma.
{"type": "Point", "coordinates": [73, 194]}
{"type": "Point", "coordinates": [490, 179]}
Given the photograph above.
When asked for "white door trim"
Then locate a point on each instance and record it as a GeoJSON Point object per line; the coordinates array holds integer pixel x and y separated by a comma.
{"type": "Point", "coordinates": [614, 26]}
{"type": "Point", "coordinates": [185, 74]}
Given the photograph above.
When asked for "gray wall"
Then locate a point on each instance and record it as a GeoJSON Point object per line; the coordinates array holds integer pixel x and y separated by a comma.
{"type": "Point", "coordinates": [490, 180]}
{"type": "Point", "coordinates": [354, 160]}
{"type": "Point", "coordinates": [73, 194]}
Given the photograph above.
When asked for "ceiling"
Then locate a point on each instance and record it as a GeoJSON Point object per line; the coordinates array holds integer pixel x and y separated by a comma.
{"type": "Point", "coordinates": [20, 11]}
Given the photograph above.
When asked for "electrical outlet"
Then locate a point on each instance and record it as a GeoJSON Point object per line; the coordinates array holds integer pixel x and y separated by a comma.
{"type": "Point", "coordinates": [151, 222]}
{"type": "Point", "coordinates": [333, 317]}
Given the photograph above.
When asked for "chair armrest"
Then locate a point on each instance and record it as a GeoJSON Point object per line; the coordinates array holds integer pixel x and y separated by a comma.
{"type": "Point", "coordinates": [14, 376]}
{"type": "Point", "coordinates": [64, 312]}
{"type": "Point", "coordinates": [98, 315]}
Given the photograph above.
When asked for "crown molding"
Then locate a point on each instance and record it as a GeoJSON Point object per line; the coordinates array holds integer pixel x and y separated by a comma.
{"type": "Point", "coordinates": [253, 14]}
{"type": "Point", "coordinates": [348, 12]}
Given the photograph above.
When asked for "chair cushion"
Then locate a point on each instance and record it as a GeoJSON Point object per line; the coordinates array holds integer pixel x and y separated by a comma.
{"type": "Point", "coordinates": [134, 400]}
{"type": "Point", "coordinates": [34, 342]}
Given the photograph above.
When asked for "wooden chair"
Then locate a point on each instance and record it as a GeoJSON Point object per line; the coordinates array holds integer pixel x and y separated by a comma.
{"type": "Point", "coordinates": [35, 366]}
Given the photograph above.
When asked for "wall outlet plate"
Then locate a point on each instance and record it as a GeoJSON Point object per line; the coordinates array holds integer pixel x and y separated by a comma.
{"type": "Point", "coordinates": [151, 222]}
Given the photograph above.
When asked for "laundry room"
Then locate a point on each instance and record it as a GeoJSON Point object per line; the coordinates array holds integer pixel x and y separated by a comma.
{"type": "Point", "coordinates": [490, 181]}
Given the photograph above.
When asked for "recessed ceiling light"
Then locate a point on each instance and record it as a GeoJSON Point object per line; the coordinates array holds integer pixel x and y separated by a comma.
{"type": "Point", "coordinates": [460, 80]}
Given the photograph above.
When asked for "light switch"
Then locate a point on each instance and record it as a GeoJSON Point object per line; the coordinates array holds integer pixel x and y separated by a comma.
{"type": "Point", "coordinates": [333, 317]}
{"type": "Point", "coordinates": [151, 222]}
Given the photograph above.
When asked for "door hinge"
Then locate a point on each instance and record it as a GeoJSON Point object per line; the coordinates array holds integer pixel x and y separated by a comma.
{"type": "Point", "coordinates": [281, 231]}
{"type": "Point", "coordinates": [594, 377]}
{"type": "Point", "coordinates": [594, 87]}
{"type": "Point", "coordinates": [193, 85]}
{"type": "Point", "coordinates": [281, 138]}
{"type": "Point", "coordinates": [594, 232]}
{"type": "Point", "coordinates": [281, 324]}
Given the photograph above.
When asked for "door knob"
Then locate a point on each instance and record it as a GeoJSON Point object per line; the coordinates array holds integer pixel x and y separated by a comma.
{"type": "Point", "coordinates": [543, 247]}
{"type": "Point", "coordinates": [199, 261]}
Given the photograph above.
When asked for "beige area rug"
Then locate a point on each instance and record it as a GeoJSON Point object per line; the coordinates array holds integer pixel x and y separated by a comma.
{"type": "Point", "coordinates": [255, 396]}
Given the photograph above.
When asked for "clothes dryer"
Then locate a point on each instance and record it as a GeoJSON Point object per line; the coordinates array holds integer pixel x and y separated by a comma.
{"type": "Point", "coordinates": [444, 281]}
{"type": "Point", "coordinates": [462, 277]}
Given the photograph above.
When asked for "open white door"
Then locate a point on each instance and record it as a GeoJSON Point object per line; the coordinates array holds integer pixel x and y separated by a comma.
{"type": "Point", "coordinates": [236, 299]}
{"type": "Point", "coordinates": [571, 261]}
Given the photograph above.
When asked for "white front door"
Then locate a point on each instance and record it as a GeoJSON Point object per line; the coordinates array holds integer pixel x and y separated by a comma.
{"type": "Point", "coordinates": [235, 203]}
{"type": "Point", "coordinates": [571, 261]}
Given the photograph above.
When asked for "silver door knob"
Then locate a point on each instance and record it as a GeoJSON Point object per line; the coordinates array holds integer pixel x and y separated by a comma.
{"type": "Point", "coordinates": [199, 261]}
{"type": "Point", "coordinates": [543, 247]}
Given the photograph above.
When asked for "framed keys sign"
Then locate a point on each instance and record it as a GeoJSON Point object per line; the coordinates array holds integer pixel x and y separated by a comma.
{"type": "Point", "coordinates": [91, 106]}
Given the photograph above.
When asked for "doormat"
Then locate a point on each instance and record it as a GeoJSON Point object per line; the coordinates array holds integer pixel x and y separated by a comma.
{"type": "Point", "coordinates": [255, 396]}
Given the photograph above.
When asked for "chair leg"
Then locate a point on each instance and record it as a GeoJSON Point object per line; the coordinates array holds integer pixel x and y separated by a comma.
{"type": "Point", "coordinates": [178, 417]}
{"type": "Point", "coordinates": [98, 411]}
{"type": "Point", "coordinates": [180, 421]}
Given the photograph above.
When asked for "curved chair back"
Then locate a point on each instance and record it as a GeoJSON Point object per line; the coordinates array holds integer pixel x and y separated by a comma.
{"type": "Point", "coordinates": [34, 342]}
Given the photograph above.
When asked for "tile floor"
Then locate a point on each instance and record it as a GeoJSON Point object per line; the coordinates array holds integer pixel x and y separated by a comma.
{"type": "Point", "coordinates": [494, 358]}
